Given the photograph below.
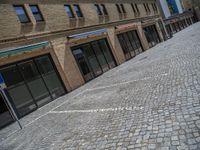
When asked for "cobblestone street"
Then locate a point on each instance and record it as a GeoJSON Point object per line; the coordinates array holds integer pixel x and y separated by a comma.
{"type": "Point", "coordinates": [150, 102]}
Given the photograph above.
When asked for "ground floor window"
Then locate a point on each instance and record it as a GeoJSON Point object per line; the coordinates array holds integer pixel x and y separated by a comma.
{"type": "Point", "coordinates": [32, 83]}
{"type": "Point", "coordinates": [152, 36]}
{"type": "Point", "coordinates": [169, 30]}
{"type": "Point", "coordinates": [130, 43]}
{"type": "Point", "coordinates": [5, 115]}
{"type": "Point", "coordinates": [94, 58]}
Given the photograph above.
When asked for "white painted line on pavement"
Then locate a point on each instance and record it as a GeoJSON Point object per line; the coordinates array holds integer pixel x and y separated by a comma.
{"type": "Point", "coordinates": [97, 110]}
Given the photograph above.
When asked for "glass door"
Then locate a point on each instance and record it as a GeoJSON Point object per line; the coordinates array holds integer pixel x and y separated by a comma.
{"type": "Point", "coordinates": [5, 115]}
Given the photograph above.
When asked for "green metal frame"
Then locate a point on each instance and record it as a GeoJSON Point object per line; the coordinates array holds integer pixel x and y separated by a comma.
{"type": "Point", "coordinates": [23, 49]}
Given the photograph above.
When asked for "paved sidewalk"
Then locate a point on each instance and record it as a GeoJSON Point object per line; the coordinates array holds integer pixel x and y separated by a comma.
{"type": "Point", "coordinates": [149, 102]}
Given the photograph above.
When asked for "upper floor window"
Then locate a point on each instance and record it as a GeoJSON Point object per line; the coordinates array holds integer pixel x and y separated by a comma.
{"type": "Point", "coordinates": [154, 7]}
{"type": "Point", "coordinates": [36, 13]}
{"type": "Point", "coordinates": [135, 8]}
{"type": "Point", "coordinates": [146, 7]}
{"type": "Point", "coordinates": [118, 8]}
{"type": "Point", "coordinates": [98, 9]}
{"type": "Point", "coordinates": [78, 11]}
{"type": "Point", "coordinates": [123, 9]}
{"type": "Point", "coordinates": [104, 10]}
{"type": "Point", "coordinates": [101, 9]}
{"type": "Point", "coordinates": [21, 13]}
{"type": "Point", "coordinates": [69, 11]}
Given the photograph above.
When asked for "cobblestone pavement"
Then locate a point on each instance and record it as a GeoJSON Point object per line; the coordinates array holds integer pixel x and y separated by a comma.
{"type": "Point", "coordinates": [149, 102]}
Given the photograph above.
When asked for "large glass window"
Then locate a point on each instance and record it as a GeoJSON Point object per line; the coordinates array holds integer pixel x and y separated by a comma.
{"type": "Point", "coordinates": [93, 58]}
{"type": "Point", "coordinates": [36, 13]}
{"type": "Point", "coordinates": [151, 35]}
{"type": "Point", "coordinates": [69, 11]}
{"type": "Point", "coordinates": [130, 43]}
{"type": "Point", "coordinates": [32, 83]}
{"type": "Point", "coordinates": [21, 13]}
{"type": "Point", "coordinates": [5, 115]}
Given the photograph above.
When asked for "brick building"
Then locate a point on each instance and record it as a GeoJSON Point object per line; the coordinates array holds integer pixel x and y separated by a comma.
{"type": "Point", "coordinates": [51, 47]}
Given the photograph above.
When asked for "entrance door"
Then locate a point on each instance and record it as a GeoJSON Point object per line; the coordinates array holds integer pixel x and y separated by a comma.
{"type": "Point", "coordinates": [5, 115]}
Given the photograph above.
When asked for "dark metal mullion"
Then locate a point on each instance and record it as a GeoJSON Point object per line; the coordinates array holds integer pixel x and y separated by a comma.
{"type": "Point", "coordinates": [95, 55]}
{"type": "Point", "coordinates": [103, 53]}
{"type": "Point", "coordinates": [26, 84]}
{"type": "Point", "coordinates": [41, 76]}
{"type": "Point", "coordinates": [120, 37]}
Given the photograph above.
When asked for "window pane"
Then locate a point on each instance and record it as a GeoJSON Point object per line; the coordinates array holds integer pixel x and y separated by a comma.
{"type": "Point", "coordinates": [107, 53]}
{"type": "Point", "coordinates": [78, 11]}
{"type": "Point", "coordinates": [22, 99]}
{"type": "Point", "coordinates": [36, 12]}
{"type": "Point", "coordinates": [5, 116]}
{"type": "Point", "coordinates": [98, 9]}
{"type": "Point", "coordinates": [100, 56]}
{"type": "Point", "coordinates": [92, 59]}
{"type": "Point", "coordinates": [104, 9]}
{"type": "Point", "coordinates": [44, 65]}
{"type": "Point", "coordinates": [11, 76]}
{"type": "Point", "coordinates": [54, 85]}
{"type": "Point", "coordinates": [29, 70]}
{"type": "Point", "coordinates": [50, 76]}
{"type": "Point", "coordinates": [69, 11]}
{"type": "Point", "coordinates": [34, 82]}
{"type": "Point", "coordinates": [21, 14]}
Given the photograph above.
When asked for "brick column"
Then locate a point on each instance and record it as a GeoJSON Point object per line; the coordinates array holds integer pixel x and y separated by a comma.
{"type": "Point", "coordinates": [116, 47]}
{"type": "Point", "coordinates": [142, 36]}
{"type": "Point", "coordinates": [72, 75]}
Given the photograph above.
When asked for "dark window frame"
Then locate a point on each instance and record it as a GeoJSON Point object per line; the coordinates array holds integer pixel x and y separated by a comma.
{"type": "Point", "coordinates": [104, 10]}
{"type": "Point", "coordinates": [118, 8]}
{"type": "Point", "coordinates": [79, 10]}
{"type": "Point", "coordinates": [25, 12]}
{"type": "Point", "coordinates": [98, 9]}
{"type": "Point", "coordinates": [133, 7]}
{"type": "Point", "coordinates": [136, 6]}
{"type": "Point", "coordinates": [123, 8]}
{"type": "Point", "coordinates": [71, 11]}
{"type": "Point", "coordinates": [39, 12]}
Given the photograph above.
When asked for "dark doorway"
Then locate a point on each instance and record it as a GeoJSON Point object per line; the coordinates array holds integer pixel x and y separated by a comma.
{"type": "Point", "coordinates": [130, 44]}
{"type": "Point", "coordinates": [152, 36]}
{"type": "Point", "coordinates": [5, 115]}
{"type": "Point", "coordinates": [93, 58]}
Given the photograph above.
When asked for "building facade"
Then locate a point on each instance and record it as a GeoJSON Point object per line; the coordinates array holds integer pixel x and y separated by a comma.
{"type": "Point", "coordinates": [175, 16]}
{"type": "Point", "coordinates": [51, 47]}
